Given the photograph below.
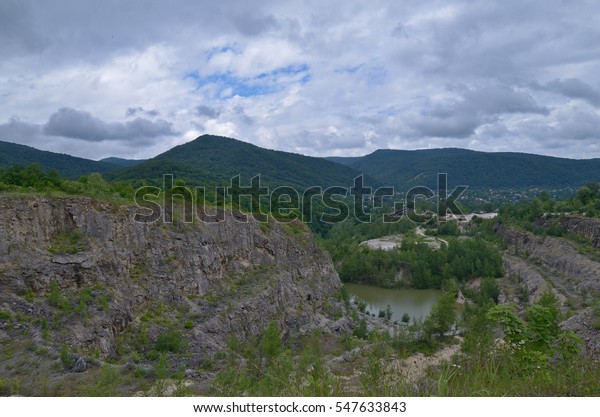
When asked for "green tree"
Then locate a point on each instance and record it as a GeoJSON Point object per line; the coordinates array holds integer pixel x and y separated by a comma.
{"type": "Point", "coordinates": [270, 345]}
{"type": "Point", "coordinates": [489, 290]}
{"type": "Point", "coordinates": [442, 315]}
{"type": "Point", "coordinates": [584, 194]}
{"type": "Point", "coordinates": [537, 340]}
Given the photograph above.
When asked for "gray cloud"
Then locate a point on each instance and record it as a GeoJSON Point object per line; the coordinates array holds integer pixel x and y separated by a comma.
{"type": "Point", "coordinates": [459, 118]}
{"type": "Point", "coordinates": [207, 111]}
{"type": "Point", "coordinates": [575, 124]}
{"type": "Point", "coordinates": [16, 130]}
{"type": "Point", "coordinates": [318, 78]}
{"type": "Point", "coordinates": [134, 111]}
{"type": "Point", "coordinates": [251, 25]}
{"type": "Point", "coordinates": [496, 99]}
{"type": "Point", "coordinates": [453, 127]}
{"type": "Point", "coordinates": [575, 88]}
{"type": "Point", "coordinates": [82, 125]}
{"type": "Point", "coordinates": [241, 114]}
{"type": "Point", "coordinates": [17, 29]}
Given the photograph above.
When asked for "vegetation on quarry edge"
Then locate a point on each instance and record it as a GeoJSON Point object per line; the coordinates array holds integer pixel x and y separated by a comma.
{"type": "Point", "coordinates": [505, 349]}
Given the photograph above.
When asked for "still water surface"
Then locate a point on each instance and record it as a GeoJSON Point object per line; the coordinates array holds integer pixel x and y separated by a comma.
{"type": "Point", "coordinates": [417, 303]}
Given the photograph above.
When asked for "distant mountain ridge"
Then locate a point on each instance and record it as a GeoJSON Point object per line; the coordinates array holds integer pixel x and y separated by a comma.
{"type": "Point", "coordinates": [216, 159]}
{"type": "Point", "coordinates": [122, 162]}
{"type": "Point", "coordinates": [402, 168]}
{"type": "Point", "coordinates": [68, 166]}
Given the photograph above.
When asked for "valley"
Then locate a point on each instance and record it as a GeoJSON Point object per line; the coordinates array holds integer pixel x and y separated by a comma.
{"type": "Point", "coordinates": [95, 303]}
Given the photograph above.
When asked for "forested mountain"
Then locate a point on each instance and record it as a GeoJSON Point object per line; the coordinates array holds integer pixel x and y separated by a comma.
{"type": "Point", "coordinates": [403, 169]}
{"type": "Point", "coordinates": [69, 166]}
{"type": "Point", "coordinates": [121, 162]}
{"type": "Point", "coordinates": [214, 159]}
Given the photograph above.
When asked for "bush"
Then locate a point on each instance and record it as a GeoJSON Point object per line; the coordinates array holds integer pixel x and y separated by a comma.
{"type": "Point", "coordinates": [538, 340]}
{"type": "Point", "coordinates": [65, 357]}
{"type": "Point", "coordinates": [29, 295]}
{"type": "Point", "coordinates": [489, 290]}
{"type": "Point", "coordinates": [107, 384]}
{"type": "Point", "coordinates": [386, 314]}
{"type": "Point", "coordinates": [442, 315]}
{"type": "Point", "coordinates": [596, 315]}
{"type": "Point", "coordinates": [171, 341]}
{"type": "Point", "coordinates": [55, 298]}
{"type": "Point", "coordinates": [360, 330]}
{"type": "Point", "coordinates": [270, 345]}
{"type": "Point", "coordinates": [4, 387]}
{"type": "Point", "coordinates": [449, 228]}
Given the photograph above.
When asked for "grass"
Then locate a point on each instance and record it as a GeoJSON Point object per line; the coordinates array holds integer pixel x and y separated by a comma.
{"type": "Point", "coordinates": [69, 243]}
{"type": "Point", "coordinates": [108, 383]}
{"type": "Point", "coordinates": [65, 357]}
{"type": "Point", "coordinates": [596, 314]}
{"type": "Point", "coordinates": [56, 299]}
{"type": "Point", "coordinates": [5, 388]}
{"type": "Point", "coordinates": [497, 375]}
{"type": "Point", "coordinates": [103, 302]}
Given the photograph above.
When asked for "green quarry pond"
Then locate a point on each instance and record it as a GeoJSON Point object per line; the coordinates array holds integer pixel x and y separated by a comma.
{"type": "Point", "coordinates": [416, 303]}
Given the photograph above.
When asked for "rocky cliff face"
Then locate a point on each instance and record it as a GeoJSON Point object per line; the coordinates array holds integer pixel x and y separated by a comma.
{"type": "Point", "coordinates": [85, 274]}
{"type": "Point", "coordinates": [588, 228]}
{"type": "Point", "coordinates": [524, 282]}
{"type": "Point", "coordinates": [572, 274]}
{"type": "Point", "coordinates": [535, 264]}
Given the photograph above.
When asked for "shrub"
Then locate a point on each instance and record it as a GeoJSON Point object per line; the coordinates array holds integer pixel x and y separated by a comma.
{"type": "Point", "coordinates": [55, 298]}
{"type": "Point", "coordinates": [360, 330]}
{"type": "Point", "coordinates": [442, 315]}
{"type": "Point", "coordinates": [29, 296]}
{"type": "Point", "coordinates": [65, 357]}
{"type": "Point", "coordinates": [489, 290]}
{"type": "Point", "coordinates": [107, 384]}
{"type": "Point", "coordinates": [270, 344]}
{"type": "Point", "coordinates": [538, 340]}
{"type": "Point", "coordinates": [171, 341]}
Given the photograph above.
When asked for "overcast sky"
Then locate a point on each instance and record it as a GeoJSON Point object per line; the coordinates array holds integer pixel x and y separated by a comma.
{"type": "Point", "coordinates": [132, 79]}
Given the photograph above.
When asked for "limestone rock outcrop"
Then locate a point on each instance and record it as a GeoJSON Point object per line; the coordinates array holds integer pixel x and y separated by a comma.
{"type": "Point", "coordinates": [103, 275]}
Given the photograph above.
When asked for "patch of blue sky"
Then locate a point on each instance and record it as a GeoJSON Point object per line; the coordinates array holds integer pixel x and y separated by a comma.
{"type": "Point", "coordinates": [375, 75]}
{"type": "Point", "coordinates": [372, 75]}
{"type": "Point", "coordinates": [227, 85]}
{"type": "Point", "coordinates": [218, 50]}
{"type": "Point", "coordinates": [348, 69]}
{"type": "Point", "coordinates": [388, 111]}
{"type": "Point", "coordinates": [289, 70]}
{"type": "Point", "coordinates": [288, 75]}
{"type": "Point", "coordinates": [305, 79]}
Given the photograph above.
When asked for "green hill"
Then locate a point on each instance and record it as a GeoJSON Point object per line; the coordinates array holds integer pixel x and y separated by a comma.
{"type": "Point", "coordinates": [121, 162]}
{"type": "Point", "coordinates": [68, 166]}
{"type": "Point", "coordinates": [476, 169]}
{"type": "Point", "coordinates": [215, 159]}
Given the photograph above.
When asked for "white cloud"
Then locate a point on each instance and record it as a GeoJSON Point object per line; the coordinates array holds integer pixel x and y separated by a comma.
{"type": "Point", "coordinates": [339, 78]}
